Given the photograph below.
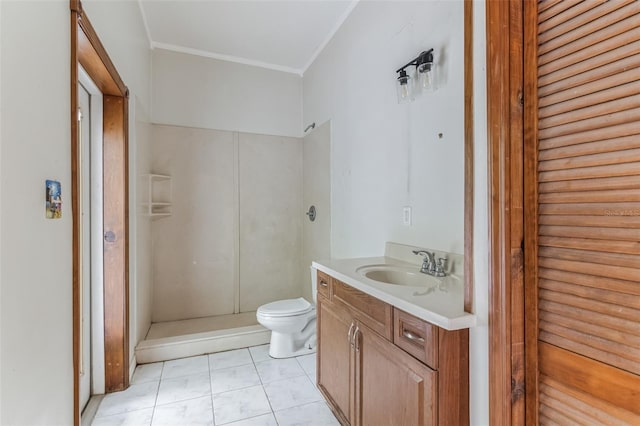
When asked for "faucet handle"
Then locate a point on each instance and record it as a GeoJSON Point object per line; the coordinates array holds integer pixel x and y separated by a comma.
{"type": "Point", "coordinates": [441, 265]}
{"type": "Point", "coordinates": [427, 255]}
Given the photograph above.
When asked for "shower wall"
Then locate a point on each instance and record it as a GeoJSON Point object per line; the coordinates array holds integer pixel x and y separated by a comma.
{"type": "Point", "coordinates": [271, 215]}
{"type": "Point", "coordinates": [316, 235]}
{"type": "Point", "coordinates": [235, 228]}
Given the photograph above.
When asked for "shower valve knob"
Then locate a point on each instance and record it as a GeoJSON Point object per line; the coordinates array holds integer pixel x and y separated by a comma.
{"type": "Point", "coordinates": [311, 213]}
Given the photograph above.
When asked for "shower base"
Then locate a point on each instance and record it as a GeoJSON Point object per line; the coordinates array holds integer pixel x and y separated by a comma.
{"type": "Point", "coordinates": [184, 338]}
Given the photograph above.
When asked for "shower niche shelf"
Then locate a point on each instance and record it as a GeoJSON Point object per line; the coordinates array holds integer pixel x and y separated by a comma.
{"type": "Point", "coordinates": [159, 195]}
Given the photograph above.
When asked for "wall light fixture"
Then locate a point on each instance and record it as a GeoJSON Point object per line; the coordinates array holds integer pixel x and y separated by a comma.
{"type": "Point", "coordinates": [420, 80]}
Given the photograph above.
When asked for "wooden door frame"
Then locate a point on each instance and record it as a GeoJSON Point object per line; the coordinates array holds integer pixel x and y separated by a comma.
{"type": "Point", "coordinates": [88, 51]}
{"type": "Point", "coordinates": [530, 170]}
{"type": "Point", "coordinates": [596, 378]}
{"type": "Point", "coordinates": [505, 139]}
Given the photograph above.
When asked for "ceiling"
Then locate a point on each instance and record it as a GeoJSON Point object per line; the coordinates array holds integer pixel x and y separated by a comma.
{"type": "Point", "coordinates": [281, 35]}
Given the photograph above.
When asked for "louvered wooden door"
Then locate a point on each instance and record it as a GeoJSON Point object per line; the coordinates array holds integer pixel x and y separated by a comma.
{"type": "Point", "coordinates": [582, 184]}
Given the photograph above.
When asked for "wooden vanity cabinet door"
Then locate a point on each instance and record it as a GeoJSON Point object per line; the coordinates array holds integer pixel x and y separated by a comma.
{"type": "Point", "coordinates": [335, 374]}
{"type": "Point", "coordinates": [392, 387]}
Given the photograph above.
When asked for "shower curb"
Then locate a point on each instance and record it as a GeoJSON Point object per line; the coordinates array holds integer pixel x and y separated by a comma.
{"type": "Point", "coordinates": [164, 349]}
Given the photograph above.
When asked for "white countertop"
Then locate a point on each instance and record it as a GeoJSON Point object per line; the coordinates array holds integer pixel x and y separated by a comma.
{"type": "Point", "coordinates": [441, 304]}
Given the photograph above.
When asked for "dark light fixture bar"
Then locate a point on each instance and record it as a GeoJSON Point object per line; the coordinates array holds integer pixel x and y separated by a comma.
{"type": "Point", "coordinates": [423, 77]}
{"type": "Point", "coordinates": [424, 58]}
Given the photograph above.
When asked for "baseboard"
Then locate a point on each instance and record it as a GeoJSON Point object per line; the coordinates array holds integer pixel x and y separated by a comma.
{"type": "Point", "coordinates": [89, 412]}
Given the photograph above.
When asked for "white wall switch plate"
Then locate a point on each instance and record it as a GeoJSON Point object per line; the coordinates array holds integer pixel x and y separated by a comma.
{"type": "Point", "coordinates": [406, 216]}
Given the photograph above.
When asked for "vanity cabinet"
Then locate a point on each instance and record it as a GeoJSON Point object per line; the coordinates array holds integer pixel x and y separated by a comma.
{"type": "Point", "coordinates": [392, 388]}
{"type": "Point", "coordinates": [378, 365]}
{"type": "Point", "coordinates": [335, 367]}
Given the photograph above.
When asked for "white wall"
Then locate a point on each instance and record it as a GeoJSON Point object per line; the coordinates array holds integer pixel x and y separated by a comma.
{"type": "Point", "coordinates": [201, 92]}
{"type": "Point", "coordinates": [385, 155]}
{"type": "Point", "coordinates": [36, 311]}
{"type": "Point", "coordinates": [36, 303]}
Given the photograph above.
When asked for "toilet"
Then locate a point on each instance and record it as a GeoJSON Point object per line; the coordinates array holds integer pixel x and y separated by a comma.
{"type": "Point", "coordinates": [292, 323]}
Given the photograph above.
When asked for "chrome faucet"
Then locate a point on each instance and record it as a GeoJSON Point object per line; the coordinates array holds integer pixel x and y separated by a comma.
{"type": "Point", "coordinates": [429, 264]}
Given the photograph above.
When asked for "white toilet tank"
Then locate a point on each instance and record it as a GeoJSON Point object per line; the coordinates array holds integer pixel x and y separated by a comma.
{"type": "Point", "coordinates": [314, 284]}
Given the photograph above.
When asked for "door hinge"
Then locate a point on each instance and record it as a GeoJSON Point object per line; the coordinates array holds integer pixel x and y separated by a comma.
{"type": "Point", "coordinates": [79, 114]}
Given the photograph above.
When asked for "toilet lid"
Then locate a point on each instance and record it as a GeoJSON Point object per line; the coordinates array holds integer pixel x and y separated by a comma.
{"type": "Point", "coordinates": [283, 308]}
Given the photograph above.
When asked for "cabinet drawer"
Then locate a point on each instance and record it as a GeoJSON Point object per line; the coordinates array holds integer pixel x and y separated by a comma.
{"type": "Point", "coordinates": [324, 284]}
{"type": "Point", "coordinates": [417, 337]}
{"type": "Point", "coordinates": [367, 309]}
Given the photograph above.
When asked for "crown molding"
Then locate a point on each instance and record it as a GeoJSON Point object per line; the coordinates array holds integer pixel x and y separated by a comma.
{"type": "Point", "coordinates": [228, 58]}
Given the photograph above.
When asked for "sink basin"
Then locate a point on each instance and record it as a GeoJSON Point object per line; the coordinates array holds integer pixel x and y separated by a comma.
{"type": "Point", "coordinates": [398, 275]}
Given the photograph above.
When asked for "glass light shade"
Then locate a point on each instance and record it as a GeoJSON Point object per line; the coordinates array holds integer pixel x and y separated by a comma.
{"type": "Point", "coordinates": [426, 80]}
{"type": "Point", "coordinates": [404, 88]}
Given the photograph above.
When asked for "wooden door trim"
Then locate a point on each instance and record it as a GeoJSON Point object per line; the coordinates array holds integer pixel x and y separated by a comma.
{"type": "Point", "coordinates": [116, 255]}
{"type": "Point", "coordinates": [91, 54]}
{"type": "Point", "coordinates": [530, 141]}
{"type": "Point", "coordinates": [505, 146]}
{"type": "Point", "coordinates": [88, 51]}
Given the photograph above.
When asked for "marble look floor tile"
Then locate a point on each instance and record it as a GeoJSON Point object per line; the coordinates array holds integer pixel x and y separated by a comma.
{"type": "Point", "coordinates": [264, 420]}
{"type": "Point", "coordinates": [185, 387]}
{"type": "Point", "coordinates": [136, 397]}
{"type": "Point", "coordinates": [131, 418]}
{"type": "Point", "coordinates": [308, 364]}
{"type": "Point", "coordinates": [147, 373]}
{"type": "Point", "coordinates": [240, 404]}
{"type": "Point", "coordinates": [234, 378]}
{"type": "Point", "coordinates": [185, 367]}
{"type": "Point", "coordinates": [291, 393]}
{"type": "Point", "coordinates": [314, 414]}
{"type": "Point", "coordinates": [228, 359]}
{"type": "Point", "coordinates": [278, 369]}
{"type": "Point", "coordinates": [193, 412]}
{"type": "Point", "coordinates": [260, 353]}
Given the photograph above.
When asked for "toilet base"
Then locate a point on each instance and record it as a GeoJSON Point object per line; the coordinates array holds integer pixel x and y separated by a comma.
{"type": "Point", "coordinates": [284, 346]}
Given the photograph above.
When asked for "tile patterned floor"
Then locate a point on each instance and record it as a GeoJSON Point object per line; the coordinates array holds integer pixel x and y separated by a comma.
{"type": "Point", "coordinates": [244, 387]}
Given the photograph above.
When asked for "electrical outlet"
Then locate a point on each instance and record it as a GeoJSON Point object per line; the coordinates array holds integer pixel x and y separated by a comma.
{"type": "Point", "coordinates": [406, 216]}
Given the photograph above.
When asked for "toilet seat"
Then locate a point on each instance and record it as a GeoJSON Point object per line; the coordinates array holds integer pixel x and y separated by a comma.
{"type": "Point", "coordinates": [285, 308]}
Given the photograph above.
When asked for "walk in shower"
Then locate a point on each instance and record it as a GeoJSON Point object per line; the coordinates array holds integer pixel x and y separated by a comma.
{"type": "Point", "coordinates": [236, 237]}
